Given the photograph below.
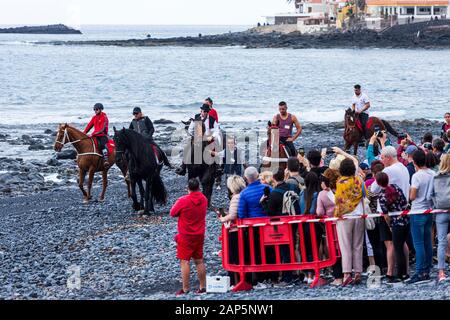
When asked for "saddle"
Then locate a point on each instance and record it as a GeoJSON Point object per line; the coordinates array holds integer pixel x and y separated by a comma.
{"type": "Point", "coordinates": [110, 146]}
{"type": "Point", "coordinates": [368, 125]}
{"type": "Point", "coordinates": [158, 156]}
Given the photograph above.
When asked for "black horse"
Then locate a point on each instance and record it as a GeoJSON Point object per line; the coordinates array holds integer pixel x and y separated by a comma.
{"type": "Point", "coordinates": [143, 165]}
{"type": "Point", "coordinates": [207, 171]}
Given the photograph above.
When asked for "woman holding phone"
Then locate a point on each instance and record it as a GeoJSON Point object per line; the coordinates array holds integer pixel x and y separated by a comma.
{"type": "Point", "coordinates": [235, 185]}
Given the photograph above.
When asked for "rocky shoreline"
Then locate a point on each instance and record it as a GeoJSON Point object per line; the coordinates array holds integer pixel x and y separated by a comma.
{"type": "Point", "coordinates": [50, 29]}
{"type": "Point", "coordinates": [46, 232]}
{"type": "Point", "coordinates": [44, 170]}
{"type": "Point", "coordinates": [432, 35]}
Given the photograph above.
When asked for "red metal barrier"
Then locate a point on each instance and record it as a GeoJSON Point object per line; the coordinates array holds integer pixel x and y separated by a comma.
{"type": "Point", "coordinates": [258, 235]}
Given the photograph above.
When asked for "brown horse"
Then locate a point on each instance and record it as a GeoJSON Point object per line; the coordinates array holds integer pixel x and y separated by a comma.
{"type": "Point", "coordinates": [276, 155]}
{"type": "Point", "coordinates": [353, 134]}
{"type": "Point", "coordinates": [89, 158]}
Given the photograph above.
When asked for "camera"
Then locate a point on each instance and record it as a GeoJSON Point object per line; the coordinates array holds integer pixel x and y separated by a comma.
{"type": "Point", "coordinates": [380, 134]}
{"type": "Point", "coordinates": [402, 136]}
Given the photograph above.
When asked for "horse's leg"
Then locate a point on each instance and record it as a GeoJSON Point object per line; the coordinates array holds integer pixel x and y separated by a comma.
{"type": "Point", "coordinates": [142, 194]}
{"type": "Point", "coordinates": [134, 195]}
{"type": "Point", "coordinates": [150, 196]}
{"type": "Point", "coordinates": [355, 148]}
{"type": "Point", "coordinates": [82, 176]}
{"type": "Point", "coordinates": [147, 196]}
{"type": "Point", "coordinates": [90, 181]}
{"type": "Point", "coordinates": [105, 184]}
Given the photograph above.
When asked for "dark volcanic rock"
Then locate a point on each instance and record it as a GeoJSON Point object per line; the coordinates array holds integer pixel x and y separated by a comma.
{"type": "Point", "coordinates": [66, 154]}
{"type": "Point", "coordinates": [433, 34]}
{"type": "Point", "coordinates": [162, 121]}
{"type": "Point", "coordinates": [50, 29]}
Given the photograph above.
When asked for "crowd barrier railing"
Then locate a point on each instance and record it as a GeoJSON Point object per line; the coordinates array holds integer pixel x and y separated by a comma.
{"type": "Point", "coordinates": [262, 243]}
{"type": "Point", "coordinates": [251, 241]}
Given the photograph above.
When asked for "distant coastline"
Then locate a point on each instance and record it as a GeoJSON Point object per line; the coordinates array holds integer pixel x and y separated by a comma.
{"type": "Point", "coordinates": [50, 29]}
{"type": "Point", "coordinates": [427, 35]}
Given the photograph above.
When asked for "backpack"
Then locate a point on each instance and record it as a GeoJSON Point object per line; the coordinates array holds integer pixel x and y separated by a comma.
{"type": "Point", "coordinates": [290, 201]}
{"type": "Point", "coordinates": [441, 196]}
{"type": "Point", "coordinates": [297, 180]}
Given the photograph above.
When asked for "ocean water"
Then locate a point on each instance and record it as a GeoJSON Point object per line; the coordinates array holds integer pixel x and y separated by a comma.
{"type": "Point", "coordinates": [51, 84]}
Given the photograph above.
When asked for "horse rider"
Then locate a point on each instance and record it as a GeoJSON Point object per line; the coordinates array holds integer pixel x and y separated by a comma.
{"type": "Point", "coordinates": [100, 123]}
{"type": "Point", "coordinates": [285, 122]}
{"type": "Point", "coordinates": [360, 105]}
{"type": "Point", "coordinates": [143, 125]}
{"type": "Point", "coordinates": [213, 112]}
{"type": "Point", "coordinates": [210, 128]}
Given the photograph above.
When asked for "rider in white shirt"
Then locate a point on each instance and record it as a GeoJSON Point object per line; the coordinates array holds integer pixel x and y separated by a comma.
{"type": "Point", "coordinates": [360, 105]}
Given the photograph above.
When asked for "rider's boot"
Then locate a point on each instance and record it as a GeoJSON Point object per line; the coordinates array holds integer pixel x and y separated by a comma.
{"type": "Point", "coordinates": [105, 158]}
{"type": "Point", "coordinates": [181, 170]}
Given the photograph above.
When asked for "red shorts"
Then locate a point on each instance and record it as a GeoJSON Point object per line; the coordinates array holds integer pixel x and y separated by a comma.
{"type": "Point", "coordinates": [189, 247]}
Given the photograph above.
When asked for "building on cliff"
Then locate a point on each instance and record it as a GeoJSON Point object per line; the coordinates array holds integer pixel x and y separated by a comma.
{"type": "Point", "coordinates": [405, 10]}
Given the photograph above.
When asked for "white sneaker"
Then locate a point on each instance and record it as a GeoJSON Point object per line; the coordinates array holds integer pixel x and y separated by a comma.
{"type": "Point", "coordinates": [310, 280]}
{"type": "Point", "coordinates": [260, 286]}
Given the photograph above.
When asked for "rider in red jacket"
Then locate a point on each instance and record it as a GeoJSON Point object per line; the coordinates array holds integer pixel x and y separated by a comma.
{"type": "Point", "coordinates": [100, 123]}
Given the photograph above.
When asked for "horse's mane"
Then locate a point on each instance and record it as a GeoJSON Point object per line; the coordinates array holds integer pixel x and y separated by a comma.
{"type": "Point", "coordinates": [71, 126]}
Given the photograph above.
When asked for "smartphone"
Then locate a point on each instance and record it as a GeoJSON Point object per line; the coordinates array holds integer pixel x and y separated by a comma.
{"type": "Point", "coordinates": [221, 212]}
{"type": "Point", "coordinates": [402, 136]}
{"type": "Point", "coordinates": [267, 191]}
{"type": "Point", "coordinates": [301, 151]}
{"type": "Point", "coordinates": [324, 152]}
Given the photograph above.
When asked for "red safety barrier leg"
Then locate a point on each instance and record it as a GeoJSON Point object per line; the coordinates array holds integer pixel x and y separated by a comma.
{"type": "Point", "coordinates": [242, 285]}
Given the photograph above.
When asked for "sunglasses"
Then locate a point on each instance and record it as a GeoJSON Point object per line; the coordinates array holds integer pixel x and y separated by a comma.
{"type": "Point", "coordinates": [135, 113]}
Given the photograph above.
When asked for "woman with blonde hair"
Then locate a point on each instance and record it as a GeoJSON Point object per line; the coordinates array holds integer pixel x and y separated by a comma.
{"type": "Point", "coordinates": [235, 185]}
{"type": "Point", "coordinates": [440, 194]}
{"type": "Point", "coordinates": [266, 177]}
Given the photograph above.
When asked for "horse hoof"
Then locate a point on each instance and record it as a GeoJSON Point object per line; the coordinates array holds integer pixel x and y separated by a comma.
{"type": "Point", "coordinates": [141, 212]}
{"type": "Point", "coordinates": [85, 201]}
{"type": "Point", "coordinates": [101, 200]}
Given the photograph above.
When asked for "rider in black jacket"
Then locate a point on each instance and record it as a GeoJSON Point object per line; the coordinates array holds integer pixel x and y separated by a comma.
{"type": "Point", "coordinates": [143, 125]}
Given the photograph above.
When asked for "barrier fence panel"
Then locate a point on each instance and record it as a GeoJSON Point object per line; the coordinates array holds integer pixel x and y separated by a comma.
{"type": "Point", "coordinates": [275, 244]}
{"type": "Point", "coordinates": [286, 243]}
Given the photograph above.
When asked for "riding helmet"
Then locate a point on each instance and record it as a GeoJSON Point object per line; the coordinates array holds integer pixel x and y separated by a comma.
{"type": "Point", "coordinates": [137, 110]}
{"type": "Point", "coordinates": [98, 106]}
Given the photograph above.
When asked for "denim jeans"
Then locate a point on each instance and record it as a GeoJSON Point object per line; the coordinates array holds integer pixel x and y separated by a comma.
{"type": "Point", "coordinates": [442, 221]}
{"type": "Point", "coordinates": [421, 234]}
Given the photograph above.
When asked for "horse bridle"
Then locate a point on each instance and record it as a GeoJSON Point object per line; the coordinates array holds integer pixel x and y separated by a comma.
{"type": "Point", "coordinates": [64, 143]}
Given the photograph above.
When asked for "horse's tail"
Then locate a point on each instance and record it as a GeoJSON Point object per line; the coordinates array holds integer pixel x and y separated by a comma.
{"type": "Point", "coordinates": [159, 191]}
{"type": "Point", "coordinates": [390, 129]}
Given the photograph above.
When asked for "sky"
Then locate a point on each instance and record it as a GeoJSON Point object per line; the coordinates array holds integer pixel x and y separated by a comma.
{"type": "Point", "coordinates": [194, 12]}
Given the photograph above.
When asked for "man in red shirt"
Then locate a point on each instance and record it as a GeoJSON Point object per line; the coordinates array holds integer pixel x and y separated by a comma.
{"type": "Point", "coordinates": [191, 213]}
{"type": "Point", "coordinates": [212, 111]}
{"type": "Point", "coordinates": [100, 123]}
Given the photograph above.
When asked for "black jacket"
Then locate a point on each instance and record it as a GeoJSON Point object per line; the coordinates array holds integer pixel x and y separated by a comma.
{"type": "Point", "coordinates": [144, 126]}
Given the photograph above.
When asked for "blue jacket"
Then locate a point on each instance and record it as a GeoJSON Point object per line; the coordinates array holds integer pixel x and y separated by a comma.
{"type": "Point", "coordinates": [249, 206]}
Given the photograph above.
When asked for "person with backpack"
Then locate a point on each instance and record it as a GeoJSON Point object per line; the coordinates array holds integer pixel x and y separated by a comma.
{"type": "Point", "coordinates": [283, 200]}
{"type": "Point", "coordinates": [293, 174]}
{"type": "Point", "coordinates": [440, 195]}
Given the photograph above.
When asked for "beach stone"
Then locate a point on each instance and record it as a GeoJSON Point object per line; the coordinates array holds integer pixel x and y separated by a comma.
{"type": "Point", "coordinates": [66, 154]}
{"type": "Point", "coordinates": [48, 131]}
{"type": "Point", "coordinates": [53, 162]}
{"type": "Point", "coordinates": [35, 147]}
{"type": "Point", "coordinates": [163, 121]}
